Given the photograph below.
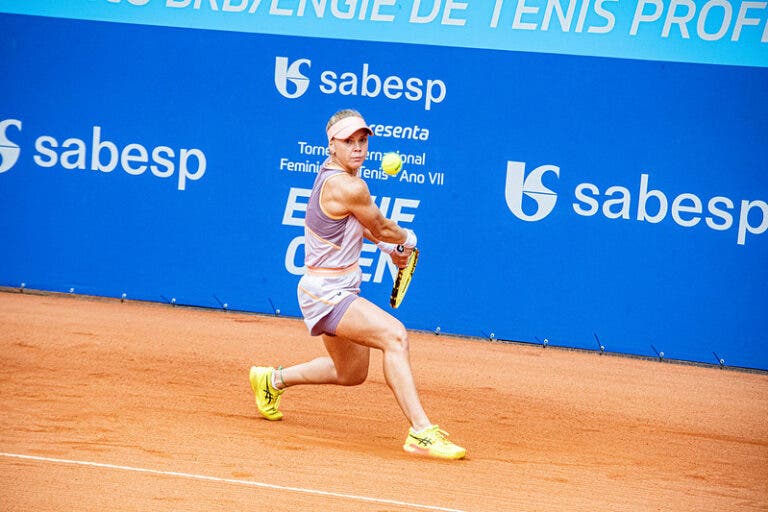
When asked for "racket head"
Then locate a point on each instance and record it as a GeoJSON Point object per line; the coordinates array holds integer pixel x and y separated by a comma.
{"type": "Point", "coordinates": [403, 280]}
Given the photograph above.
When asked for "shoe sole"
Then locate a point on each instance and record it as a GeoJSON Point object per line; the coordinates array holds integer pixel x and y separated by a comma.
{"type": "Point", "coordinates": [415, 450]}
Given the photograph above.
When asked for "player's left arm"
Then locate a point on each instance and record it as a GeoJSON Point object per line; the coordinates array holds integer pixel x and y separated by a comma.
{"type": "Point", "coordinates": [369, 236]}
{"type": "Point", "coordinates": [359, 203]}
{"type": "Point", "coordinates": [399, 258]}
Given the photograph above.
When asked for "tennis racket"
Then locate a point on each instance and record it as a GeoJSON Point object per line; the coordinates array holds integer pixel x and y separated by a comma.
{"type": "Point", "coordinates": [403, 280]}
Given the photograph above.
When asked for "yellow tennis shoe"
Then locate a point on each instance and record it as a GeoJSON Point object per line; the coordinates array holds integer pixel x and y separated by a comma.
{"type": "Point", "coordinates": [267, 396]}
{"type": "Point", "coordinates": [433, 442]}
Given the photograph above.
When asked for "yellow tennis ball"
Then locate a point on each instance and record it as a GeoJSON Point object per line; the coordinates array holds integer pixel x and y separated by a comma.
{"type": "Point", "coordinates": [391, 163]}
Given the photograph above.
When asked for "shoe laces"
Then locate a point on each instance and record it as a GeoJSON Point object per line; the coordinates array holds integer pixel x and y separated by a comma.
{"type": "Point", "coordinates": [440, 435]}
{"type": "Point", "coordinates": [269, 396]}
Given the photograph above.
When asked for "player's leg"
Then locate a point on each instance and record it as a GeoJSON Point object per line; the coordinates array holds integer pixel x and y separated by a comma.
{"type": "Point", "coordinates": [366, 324]}
{"type": "Point", "coordinates": [346, 365]}
{"type": "Point", "coordinates": [362, 326]}
{"type": "Point", "coordinates": [350, 360]}
{"type": "Point", "coordinates": [369, 325]}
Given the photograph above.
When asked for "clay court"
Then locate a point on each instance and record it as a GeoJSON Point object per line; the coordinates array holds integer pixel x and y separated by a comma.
{"type": "Point", "coordinates": [137, 406]}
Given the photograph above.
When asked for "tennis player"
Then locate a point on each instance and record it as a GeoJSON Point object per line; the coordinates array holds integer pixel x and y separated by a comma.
{"type": "Point", "coordinates": [339, 214]}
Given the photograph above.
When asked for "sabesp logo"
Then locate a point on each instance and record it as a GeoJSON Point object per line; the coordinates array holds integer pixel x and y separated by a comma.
{"type": "Point", "coordinates": [285, 74]}
{"type": "Point", "coordinates": [9, 151]}
{"type": "Point", "coordinates": [362, 81]}
{"type": "Point", "coordinates": [518, 185]}
{"type": "Point", "coordinates": [641, 203]}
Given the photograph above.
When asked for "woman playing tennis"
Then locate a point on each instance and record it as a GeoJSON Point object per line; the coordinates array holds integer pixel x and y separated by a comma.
{"type": "Point", "coordinates": [339, 214]}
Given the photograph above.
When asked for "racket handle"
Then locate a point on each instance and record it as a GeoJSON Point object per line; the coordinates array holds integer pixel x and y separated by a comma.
{"type": "Point", "coordinates": [400, 248]}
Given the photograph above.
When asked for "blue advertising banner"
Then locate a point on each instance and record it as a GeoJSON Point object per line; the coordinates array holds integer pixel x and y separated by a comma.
{"type": "Point", "coordinates": [705, 31]}
{"type": "Point", "coordinates": [554, 196]}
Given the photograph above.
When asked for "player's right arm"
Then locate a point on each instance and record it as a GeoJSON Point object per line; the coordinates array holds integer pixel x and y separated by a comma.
{"type": "Point", "coordinates": [349, 195]}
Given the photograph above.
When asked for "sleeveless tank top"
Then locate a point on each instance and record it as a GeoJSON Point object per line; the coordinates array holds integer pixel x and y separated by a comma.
{"type": "Point", "coordinates": [329, 242]}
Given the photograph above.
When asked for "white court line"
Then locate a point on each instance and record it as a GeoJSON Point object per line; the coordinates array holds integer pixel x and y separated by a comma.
{"type": "Point", "coordinates": [228, 481]}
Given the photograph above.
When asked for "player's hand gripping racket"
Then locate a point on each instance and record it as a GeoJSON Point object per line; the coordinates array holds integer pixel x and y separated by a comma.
{"type": "Point", "coordinates": [403, 279]}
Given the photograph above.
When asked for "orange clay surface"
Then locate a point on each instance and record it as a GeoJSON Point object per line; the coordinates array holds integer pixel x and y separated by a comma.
{"type": "Point", "coordinates": [138, 406]}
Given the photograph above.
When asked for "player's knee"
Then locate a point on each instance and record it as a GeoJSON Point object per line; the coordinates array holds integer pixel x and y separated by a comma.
{"type": "Point", "coordinates": [352, 378]}
{"type": "Point", "coordinates": [398, 338]}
